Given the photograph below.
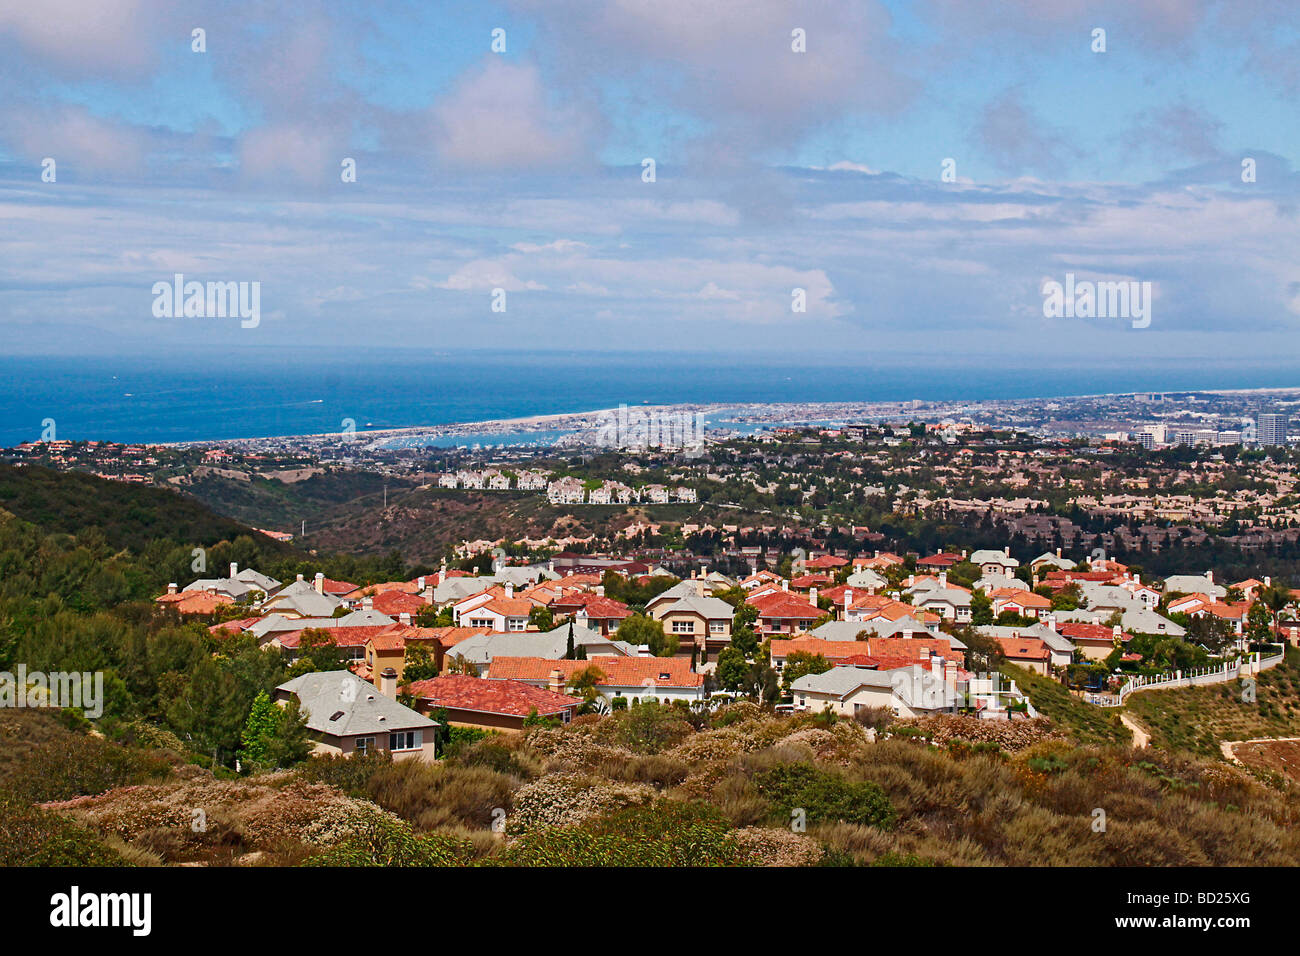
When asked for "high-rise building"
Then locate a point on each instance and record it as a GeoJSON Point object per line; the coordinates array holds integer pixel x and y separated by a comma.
{"type": "Point", "coordinates": [1270, 428]}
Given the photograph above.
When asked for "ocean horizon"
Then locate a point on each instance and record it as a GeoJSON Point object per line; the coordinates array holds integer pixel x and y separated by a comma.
{"type": "Point", "coordinates": [140, 399]}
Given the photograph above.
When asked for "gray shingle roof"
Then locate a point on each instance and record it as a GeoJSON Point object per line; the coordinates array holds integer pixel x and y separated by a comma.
{"type": "Point", "coordinates": [341, 704]}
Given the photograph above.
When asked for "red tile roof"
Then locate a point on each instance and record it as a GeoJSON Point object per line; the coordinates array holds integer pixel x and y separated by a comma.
{"type": "Point", "coordinates": [1078, 631]}
{"type": "Point", "coordinates": [510, 697]}
{"type": "Point", "coordinates": [618, 671]}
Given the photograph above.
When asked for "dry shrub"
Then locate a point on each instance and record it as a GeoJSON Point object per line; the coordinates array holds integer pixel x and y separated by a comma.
{"type": "Point", "coordinates": [435, 795]}
{"type": "Point", "coordinates": [565, 799]}
{"type": "Point", "coordinates": [658, 770]}
{"type": "Point", "coordinates": [772, 847]}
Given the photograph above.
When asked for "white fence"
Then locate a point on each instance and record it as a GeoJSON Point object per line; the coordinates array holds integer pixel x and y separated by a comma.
{"type": "Point", "coordinates": [1219, 674]}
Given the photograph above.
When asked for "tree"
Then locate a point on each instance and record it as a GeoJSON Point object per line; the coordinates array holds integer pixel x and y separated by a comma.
{"type": "Point", "coordinates": [801, 663]}
{"type": "Point", "coordinates": [274, 736]}
{"type": "Point", "coordinates": [647, 632]}
{"type": "Point", "coordinates": [981, 608]}
{"type": "Point", "coordinates": [541, 618]}
{"type": "Point", "coordinates": [1259, 624]}
{"type": "Point", "coordinates": [745, 616]}
{"type": "Point", "coordinates": [420, 663]}
{"type": "Point", "coordinates": [583, 682]}
{"type": "Point", "coordinates": [732, 670]}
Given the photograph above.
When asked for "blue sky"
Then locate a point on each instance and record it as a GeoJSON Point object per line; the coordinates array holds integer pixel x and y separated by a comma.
{"type": "Point", "coordinates": [776, 170]}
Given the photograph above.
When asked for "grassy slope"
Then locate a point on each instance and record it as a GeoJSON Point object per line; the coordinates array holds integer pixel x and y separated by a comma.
{"type": "Point", "coordinates": [1084, 722]}
{"type": "Point", "coordinates": [129, 515]}
{"type": "Point", "coordinates": [1197, 718]}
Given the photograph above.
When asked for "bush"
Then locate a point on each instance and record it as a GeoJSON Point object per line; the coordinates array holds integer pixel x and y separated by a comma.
{"type": "Point", "coordinates": [824, 796]}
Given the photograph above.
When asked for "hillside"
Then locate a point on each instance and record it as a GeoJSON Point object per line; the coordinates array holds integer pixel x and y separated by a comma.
{"type": "Point", "coordinates": [128, 515]}
{"type": "Point", "coordinates": [1084, 722]}
{"type": "Point", "coordinates": [1198, 718]}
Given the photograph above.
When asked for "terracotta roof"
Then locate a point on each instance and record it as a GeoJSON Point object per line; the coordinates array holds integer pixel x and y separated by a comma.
{"type": "Point", "coordinates": [195, 602]}
{"type": "Point", "coordinates": [233, 627]}
{"type": "Point", "coordinates": [618, 671]}
{"type": "Point", "coordinates": [786, 605]}
{"type": "Point", "coordinates": [1078, 631]}
{"type": "Point", "coordinates": [511, 697]}
{"type": "Point", "coordinates": [394, 603]}
{"type": "Point", "coordinates": [1023, 648]}
{"type": "Point", "coordinates": [815, 645]}
{"type": "Point", "coordinates": [1020, 597]}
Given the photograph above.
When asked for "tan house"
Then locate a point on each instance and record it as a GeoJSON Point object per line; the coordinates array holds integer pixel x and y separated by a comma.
{"type": "Point", "coordinates": [347, 715]}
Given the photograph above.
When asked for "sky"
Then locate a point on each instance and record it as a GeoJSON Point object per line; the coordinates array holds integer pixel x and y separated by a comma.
{"type": "Point", "coordinates": [516, 176]}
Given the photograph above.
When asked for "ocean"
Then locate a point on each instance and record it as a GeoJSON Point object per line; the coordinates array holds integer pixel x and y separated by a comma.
{"type": "Point", "coordinates": [249, 395]}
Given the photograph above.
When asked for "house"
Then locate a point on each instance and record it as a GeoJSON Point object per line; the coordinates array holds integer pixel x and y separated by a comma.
{"type": "Point", "coordinates": [481, 648]}
{"type": "Point", "coordinates": [631, 678]}
{"type": "Point", "coordinates": [906, 692]}
{"type": "Point", "coordinates": [941, 561]}
{"type": "Point", "coordinates": [995, 562]}
{"type": "Point", "coordinates": [949, 601]}
{"type": "Point", "coordinates": [490, 704]}
{"type": "Point", "coordinates": [1028, 652]}
{"type": "Point", "coordinates": [702, 621]}
{"type": "Point", "coordinates": [602, 614]}
{"type": "Point", "coordinates": [193, 602]}
{"type": "Point", "coordinates": [785, 613]}
{"type": "Point", "coordinates": [1054, 562]}
{"type": "Point", "coordinates": [1096, 641]}
{"type": "Point", "coordinates": [303, 599]}
{"type": "Point", "coordinates": [500, 614]}
{"type": "Point", "coordinates": [347, 715]}
{"type": "Point", "coordinates": [1195, 584]}
{"type": "Point", "coordinates": [1060, 648]}
{"type": "Point", "coordinates": [565, 491]}
{"type": "Point", "coordinates": [655, 494]}
{"type": "Point", "coordinates": [1024, 603]}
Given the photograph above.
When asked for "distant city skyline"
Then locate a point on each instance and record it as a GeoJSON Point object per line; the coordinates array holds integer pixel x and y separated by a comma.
{"type": "Point", "coordinates": [910, 174]}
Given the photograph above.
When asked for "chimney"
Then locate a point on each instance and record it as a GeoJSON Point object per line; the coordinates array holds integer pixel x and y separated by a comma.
{"type": "Point", "coordinates": [300, 577]}
{"type": "Point", "coordinates": [419, 584]}
{"type": "Point", "coordinates": [1209, 576]}
{"type": "Point", "coordinates": [1005, 551]}
{"type": "Point", "coordinates": [1268, 581]}
{"type": "Point", "coordinates": [388, 683]}
{"type": "Point", "coordinates": [812, 596]}
{"type": "Point", "coordinates": [848, 598]}
{"type": "Point", "coordinates": [785, 585]}
{"type": "Point", "coordinates": [692, 574]}
{"type": "Point", "coordinates": [320, 582]}
{"type": "Point", "coordinates": [1058, 552]}
{"type": "Point", "coordinates": [550, 566]}
{"type": "Point", "coordinates": [963, 554]}
{"type": "Point", "coordinates": [234, 569]}
{"type": "Point", "coordinates": [510, 591]}
{"type": "Point", "coordinates": [1114, 633]}
{"type": "Point", "coordinates": [367, 602]}
{"type": "Point", "coordinates": [600, 590]}
{"type": "Point", "coordinates": [936, 666]}
{"type": "Point", "coordinates": [442, 574]}
{"type": "Point", "coordinates": [555, 682]}
{"type": "Point", "coordinates": [171, 588]}
{"type": "Point", "coordinates": [943, 579]}
{"type": "Point", "coordinates": [950, 673]}
{"type": "Point", "coordinates": [1051, 622]}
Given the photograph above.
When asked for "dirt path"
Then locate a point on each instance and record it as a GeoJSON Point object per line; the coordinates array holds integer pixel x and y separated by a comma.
{"type": "Point", "coordinates": [1229, 747]}
{"type": "Point", "coordinates": [1140, 737]}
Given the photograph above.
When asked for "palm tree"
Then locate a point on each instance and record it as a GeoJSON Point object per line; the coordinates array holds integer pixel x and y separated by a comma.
{"type": "Point", "coordinates": [583, 682]}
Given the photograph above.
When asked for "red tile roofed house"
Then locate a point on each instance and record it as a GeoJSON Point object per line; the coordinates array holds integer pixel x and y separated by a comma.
{"type": "Point", "coordinates": [489, 704]}
{"type": "Point", "coordinates": [1234, 614]}
{"type": "Point", "coordinates": [1189, 603]}
{"type": "Point", "coordinates": [824, 561]}
{"type": "Point", "coordinates": [232, 628]}
{"type": "Point", "coordinates": [1251, 586]}
{"type": "Point", "coordinates": [806, 581]}
{"type": "Point", "coordinates": [665, 678]}
{"type": "Point", "coordinates": [1096, 641]}
{"type": "Point", "coordinates": [603, 614]}
{"type": "Point", "coordinates": [1024, 603]}
{"type": "Point", "coordinates": [388, 647]}
{"type": "Point", "coordinates": [1028, 652]}
{"type": "Point", "coordinates": [195, 602]}
{"type": "Point", "coordinates": [501, 614]}
{"type": "Point", "coordinates": [784, 613]}
{"type": "Point", "coordinates": [896, 651]}
{"type": "Point", "coordinates": [397, 603]}
{"type": "Point", "coordinates": [882, 560]}
{"type": "Point", "coordinates": [335, 588]}
{"type": "Point", "coordinates": [941, 561]}
{"type": "Point", "coordinates": [351, 641]}
{"type": "Point", "coordinates": [1060, 579]}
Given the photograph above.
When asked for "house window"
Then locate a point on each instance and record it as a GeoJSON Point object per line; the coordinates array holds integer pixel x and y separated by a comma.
{"type": "Point", "coordinates": [518, 623]}
{"type": "Point", "coordinates": [683, 627]}
{"type": "Point", "coordinates": [365, 744]}
{"type": "Point", "coordinates": [717, 627]}
{"type": "Point", "coordinates": [404, 740]}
